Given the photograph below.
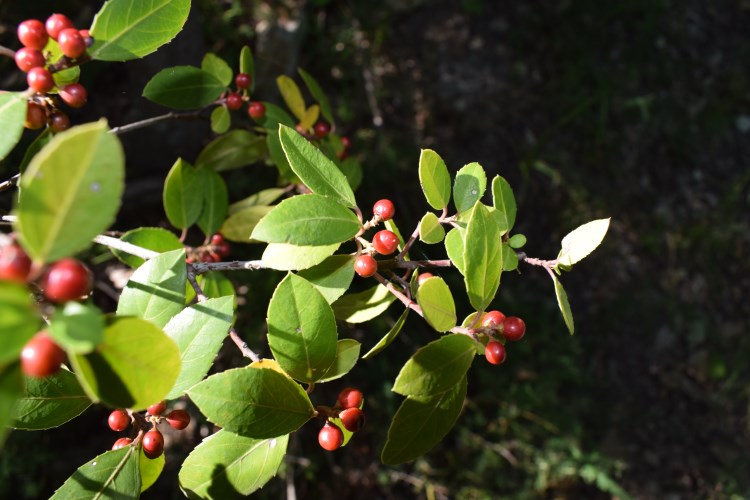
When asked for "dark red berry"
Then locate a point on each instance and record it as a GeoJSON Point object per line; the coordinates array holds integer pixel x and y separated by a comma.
{"type": "Point", "coordinates": [15, 265]}
{"type": "Point", "coordinates": [41, 357]}
{"type": "Point", "coordinates": [384, 209]}
{"type": "Point", "coordinates": [424, 277]}
{"type": "Point", "coordinates": [59, 121]}
{"type": "Point", "coordinates": [40, 80]}
{"type": "Point", "coordinates": [242, 80]}
{"type": "Point", "coordinates": [513, 328]}
{"type": "Point", "coordinates": [56, 23]}
{"type": "Point", "coordinates": [494, 352]}
{"type": "Point", "coordinates": [492, 319]}
{"type": "Point", "coordinates": [233, 101]}
{"type": "Point", "coordinates": [256, 110]}
{"type": "Point", "coordinates": [350, 398]}
{"type": "Point", "coordinates": [74, 95]}
{"type": "Point", "coordinates": [178, 419]}
{"type": "Point", "coordinates": [71, 43]}
{"type": "Point", "coordinates": [353, 419]}
{"type": "Point", "coordinates": [346, 142]}
{"type": "Point", "coordinates": [153, 443]}
{"type": "Point", "coordinates": [32, 34]}
{"type": "Point", "coordinates": [321, 129]}
{"type": "Point", "coordinates": [385, 242]}
{"type": "Point", "coordinates": [121, 443]}
{"type": "Point", "coordinates": [365, 266]}
{"type": "Point", "coordinates": [330, 437]}
{"type": "Point", "coordinates": [217, 239]}
{"type": "Point", "coordinates": [223, 249]}
{"type": "Point", "coordinates": [67, 279]}
{"type": "Point", "coordinates": [36, 117]}
{"type": "Point", "coordinates": [118, 420]}
{"type": "Point", "coordinates": [27, 58]}
{"type": "Point", "coordinates": [157, 409]}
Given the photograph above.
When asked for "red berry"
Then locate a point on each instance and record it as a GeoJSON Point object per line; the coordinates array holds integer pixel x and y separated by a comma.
{"type": "Point", "coordinates": [233, 101]}
{"type": "Point", "coordinates": [59, 121]}
{"type": "Point", "coordinates": [36, 117]}
{"type": "Point", "coordinates": [40, 80]}
{"type": "Point", "coordinates": [27, 58]}
{"type": "Point", "coordinates": [74, 95]}
{"type": "Point", "coordinates": [321, 129]}
{"type": "Point", "coordinates": [118, 420]}
{"type": "Point", "coordinates": [157, 408]}
{"type": "Point", "coordinates": [494, 352]}
{"type": "Point", "coordinates": [384, 209]}
{"type": "Point", "coordinates": [153, 443]}
{"type": "Point", "coordinates": [223, 249]}
{"type": "Point", "coordinates": [242, 80]}
{"type": "Point", "coordinates": [15, 265]}
{"type": "Point", "coordinates": [32, 34]}
{"type": "Point", "coordinates": [385, 242]}
{"type": "Point", "coordinates": [256, 110]}
{"type": "Point", "coordinates": [365, 266]}
{"type": "Point", "coordinates": [424, 277]}
{"type": "Point", "coordinates": [492, 319]}
{"type": "Point", "coordinates": [353, 419]}
{"type": "Point", "coordinates": [346, 142]}
{"type": "Point", "coordinates": [178, 419]}
{"type": "Point", "coordinates": [86, 35]}
{"type": "Point", "coordinates": [350, 398]}
{"type": "Point", "coordinates": [56, 23]}
{"type": "Point", "coordinates": [513, 328]}
{"type": "Point", "coordinates": [121, 443]}
{"type": "Point", "coordinates": [67, 279]}
{"type": "Point", "coordinates": [217, 239]}
{"type": "Point", "coordinates": [41, 357]}
{"type": "Point", "coordinates": [71, 43]}
{"type": "Point", "coordinates": [330, 437]}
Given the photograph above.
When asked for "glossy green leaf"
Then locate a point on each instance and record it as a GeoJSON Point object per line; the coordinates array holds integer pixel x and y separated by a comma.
{"type": "Point", "coordinates": [240, 225]}
{"type": "Point", "coordinates": [437, 304]}
{"type": "Point", "coordinates": [310, 219]}
{"type": "Point", "coordinates": [454, 247]}
{"type": "Point", "coordinates": [469, 186]}
{"type": "Point", "coordinates": [247, 65]}
{"type": "Point", "coordinates": [483, 258]}
{"type": "Point", "coordinates": [199, 331]}
{"type": "Point", "coordinates": [278, 158]}
{"type": "Point", "coordinates": [113, 474]}
{"type": "Point", "coordinates": [19, 320]}
{"type": "Point", "coordinates": [562, 302]}
{"type": "Point", "coordinates": [152, 238]}
{"type": "Point", "coordinates": [347, 354]}
{"type": "Point", "coordinates": [318, 172]}
{"type": "Point", "coordinates": [228, 466]}
{"type": "Point", "coordinates": [12, 117]}
{"type": "Point", "coordinates": [70, 192]}
{"type": "Point", "coordinates": [420, 424]}
{"type": "Point", "coordinates": [292, 96]}
{"type": "Point", "coordinates": [125, 30]}
{"type": "Point", "coordinates": [579, 243]}
{"type": "Point", "coordinates": [435, 179]}
{"type": "Point", "coordinates": [317, 92]}
{"type": "Point", "coordinates": [331, 277]}
{"type": "Point", "coordinates": [150, 469]}
{"type": "Point", "coordinates": [218, 67]}
{"type": "Point", "coordinates": [436, 367]}
{"type": "Point", "coordinates": [430, 229]}
{"type": "Point", "coordinates": [510, 258]}
{"type": "Point", "coordinates": [183, 87]}
{"type": "Point", "coordinates": [261, 198]}
{"type": "Point", "coordinates": [234, 149]}
{"type": "Point", "coordinates": [363, 306]}
{"type": "Point", "coordinates": [517, 240]}
{"type": "Point", "coordinates": [135, 365]}
{"type": "Point", "coordinates": [388, 337]}
{"type": "Point", "coordinates": [49, 402]}
{"type": "Point", "coordinates": [182, 193]}
{"type": "Point", "coordinates": [254, 402]}
{"type": "Point", "coordinates": [504, 203]}
{"type": "Point", "coordinates": [11, 388]}
{"type": "Point", "coordinates": [215, 201]}
{"type": "Point", "coordinates": [287, 257]}
{"type": "Point", "coordinates": [221, 120]}
{"type": "Point", "coordinates": [77, 327]}
{"type": "Point", "coordinates": [301, 329]}
{"type": "Point", "coordinates": [274, 117]}
{"type": "Point", "coordinates": [156, 290]}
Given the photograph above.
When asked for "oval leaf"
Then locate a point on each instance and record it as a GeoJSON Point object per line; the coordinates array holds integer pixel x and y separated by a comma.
{"type": "Point", "coordinates": [247, 65]}
{"type": "Point", "coordinates": [215, 201]}
{"type": "Point", "coordinates": [12, 119]}
{"type": "Point", "coordinates": [77, 327]}
{"type": "Point", "coordinates": [504, 203]}
{"type": "Point", "coordinates": [264, 197]}
{"type": "Point", "coordinates": [562, 302]}
{"type": "Point", "coordinates": [347, 354]}
{"type": "Point", "coordinates": [183, 188]}
{"type": "Point", "coordinates": [183, 87]}
{"type": "Point", "coordinates": [50, 402]}
{"type": "Point", "coordinates": [292, 96]}
{"type": "Point", "coordinates": [286, 257]}
{"type": "Point", "coordinates": [221, 120]}
{"type": "Point", "coordinates": [218, 67]}
{"type": "Point", "coordinates": [469, 186]}
{"type": "Point", "coordinates": [437, 304]}
{"type": "Point", "coordinates": [430, 229]}
{"type": "Point", "coordinates": [317, 92]}
{"type": "Point", "coordinates": [435, 179]}
{"type": "Point", "coordinates": [113, 474]}
{"type": "Point", "coordinates": [331, 277]}
{"type": "Point", "coordinates": [153, 238]}
{"type": "Point", "coordinates": [11, 388]}
{"type": "Point", "coordinates": [454, 247]}
{"type": "Point", "coordinates": [583, 240]}
{"type": "Point", "coordinates": [363, 306]}
{"type": "Point", "coordinates": [235, 149]}
{"type": "Point", "coordinates": [390, 336]}
{"type": "Point", "coordinates": [483, 258]}
{"type": "Point", "coordinates": [240, 225]}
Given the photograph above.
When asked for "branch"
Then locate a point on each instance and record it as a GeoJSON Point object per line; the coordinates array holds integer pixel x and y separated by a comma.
{"type": "Point", "coordinates": [192, 115]}
{"type": "Point", "coordinates": [246, 351]}
{"type": "Point", "coordinates": [124, 246]}
{"type": "Point", "coordinates": [236, 265]}
{"type": "Point", "coordinates": [13, 181]}
{"type": "Point", "coordinates": [5, 51]}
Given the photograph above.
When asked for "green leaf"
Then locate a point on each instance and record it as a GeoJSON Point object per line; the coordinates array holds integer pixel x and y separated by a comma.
{"type": "Point", "coordinates": [239, 226]}
{"type": "Point", "coordinates": [215, 201]}
{"type": "Point", "coordinates": [292, 96]}
{"type": "Point", "coordinates": [517, 241]}
{"type": "Point", "coordinates": [363, 306]}
{"type": "Point", "coordinates": [331, 277]}
{"type": "Point", "coordinates": [274, 117]}
{"type": "Point", "coordinates": [218, 67]}
{"type": "Point", "coordinates": [510, 258]}
{"type": "Point", "coordinates": [579, 243]}
{"type": "Point", "coordinates": [278, 158]}
{"type": "Point", "coordinates": [150, 469]}
{"type": "Point", "coordinates": [153, 238]}
{"type": "Point", "coordinates": [228, 466]}
{"type": "Point", "coordinates": [430, 229]}
{"type": "Point", "coordinates": [317, 92]}
{"type": "Point", "coordinates": [235, 149]}
{"type": "Point", "coordinates": [125, 30]}
{"type": "Point", "coordinates": [19, 320]}
{"type": "Point", "coordinates": [247, 65]}
{"type": "Point", "coordinates": [221, 120]}
{"type": "Point", "coordinates": [49, 402]}
{"type": "Point", "coordinates": [77, 327]}
{"type": "Point", "coordinates": [287, 257]}
{"type": "Point", "coordinates": [562, 302]}
{"type": "Point", "coordinates": [347, 354]}
{"type": "Point", "coordinates": [183, 87]}
{"type": "Point", "coordinates": [199, 331]}
{"type": "Point", "coordinates": [420, 424]}
{"type": "Point", "coordinates": [11, 388]}
{"type": "Point", "coordinates": [40, 141]}
{"type": "Point", "coordinates": [469, 186]}
{"type": "Point", "coordinates": [301, 329]}
{"type": "Point", "coordinates": [156, 290]}
{"type": "Point", "coordinates": [390, 336]}
{"type": "Point", "coordinates": [70, 192]}
{"type": "Point", "coordinates": [113, 474]}
{"type": "Point", "coordinates": [254, 402]}
{"type": "Point", "coordinates": [12, 118]}
{"type": "Point", "coordinates": [391, 226]}
{"type": "Point", "coordinates": [436, 367]}
{"type": "Point", "coordinates": [264, 197]}
{"type": "Point", "coordinates": [311, 116]}
{"type": "Point", "coordinates": [183, 188]}
{"type": "Point", "coordinates": [352, 169]}
{"type": "Point", "coordinates": [505, 204]}
{"type": "Point", "coordinates": [319, 173]}
{"type": "Point", "coordinates": [483, 258]}
{"type": "Point", "coordinates": [214, 285]}
{"type": "Point", "coordinates": [454, 247]}
{"type": "Point", "coordinates": [435, 179]}
{"type": "Point", "coordinates": [437, 304]}
{"type": "Point", "coordinates": [309, 219]}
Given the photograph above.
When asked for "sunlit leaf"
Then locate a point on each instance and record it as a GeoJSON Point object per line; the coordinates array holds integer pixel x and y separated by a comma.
{"type": "Point", "coordinates": [12, 118]}
{"type": "Point", "coordinates": [579, 243]}
{"type": "Point", "coordinates": [437, 304]}
{"type": "Point", "coordinates": [435, 179]}
{"type": "Point", "coordinates": [363, 306]}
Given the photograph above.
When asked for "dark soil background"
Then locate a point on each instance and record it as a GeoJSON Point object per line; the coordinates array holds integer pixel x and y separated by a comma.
{"type": "Point", "coordinates": [638, 110]}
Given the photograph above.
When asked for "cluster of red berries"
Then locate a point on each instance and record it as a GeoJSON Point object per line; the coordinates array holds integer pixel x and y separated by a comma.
{"type": "Point", "coordinates": [383, 242]}
{"type": "Point", "coordinates": [65, 280]}
{"type": "Point", "coordinates": [498, 326]}
{"type": "Point", "coordinates": [349, 410]}
{"type": "Point", "coordinates": [153, 440]}
{"type": "Point", "coordinates": [234, 99]}
{"type": "Point", "coordinates": [217, 249]}
{"type": "Point", "coordinates": [33, 60]}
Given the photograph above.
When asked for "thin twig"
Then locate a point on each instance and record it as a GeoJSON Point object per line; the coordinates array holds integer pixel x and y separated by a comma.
{"type": "Point", "coordinates": [192, 115]}
{"type": "Point", "coordinates": [13, 181]}
{"type": "Point", "coordinates": [124, 246]}
{"type": "Point", "coordinates": [244, 348]}
{"type": "Point", "coordinates": [235, 265]}
{"type": "Point", "coordinates": [5, 51]}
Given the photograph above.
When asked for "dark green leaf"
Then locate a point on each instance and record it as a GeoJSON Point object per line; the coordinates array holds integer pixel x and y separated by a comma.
{"type": "Point", "coordinates": [239, 226]}
{"type": "Point", "coordinates": [264, 197]}
{"type": "Point", "coordinates": [347, 354]}
{"type": "Point", "coordinates": [77, 327]}
{"type": "Point", "coordinates": [247, 65]}
{"type": "Point", "coordinates": [274, 117]}
{"type": "Point", "coordinates": [331, 277]}
{"type": "Point", "coordinates": [50, 402]}
{"type": "Point", "coordinates": [152, 238]}
{"type": "Point", "coordinates": [278, 158]}
{"type": "Point", "coordinates": [510, 258]}
{"type": "Point", "coordinates": [437, 304]}
{"type": "Point", "coordinates": [12, 117]}
{"type": "Point", "coordinates": [113, 474]}
{"type": "Point", "coordinates": [317, 92]}
{"type": "Point", "coordinates": [183, 87]}
{"type": "Point", "coordinates": [579, 243]}
{"type": "Point", "coordinates": [390, 336]}
{"type": "Point", "coordinates": [183, 190]}
{"type": "Point", "coordinates": [469, 186]}
{"type": "Point", "coordinates": [215, 201]}
{"type": "Point", "coordinates": [352, 169]}
{"type": "Point", "coordinates": [435, 179]}
{"type": "Point", "coordinates": [11, 388]}
{"type": "Point", "coordinates": [436, 367]}
{"type": "Point", "coordinates": [218, 67]}
{"type": "Point", "coordinates": [19, 320]}
{"type": "Point", "coordinates": [235, 149]}
{"type": "Point", "coordinates": [483, 258]}
{"type": "Point", "coordinates": [363, 306]}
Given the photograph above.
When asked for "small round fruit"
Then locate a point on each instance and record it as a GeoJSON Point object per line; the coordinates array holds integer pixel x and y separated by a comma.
{"type": "Point", "coordinates": [15, 265]}
{"type": "Point", "coordinates": [424, 277]}
{"type": "Point", "coordinates": [41, 357]}
{"type": "Point", "coordinates": [32, 34]}
{"type": "Point", "coordinates": [330, 437]}
{"type": "Point", "coordinates": [494, 351]}
{"type": "Point", "coordinates": [153, 443]}
{"type": "Point", "coordinates": [385, 242]}
{"type": "Point", "coordinates": [492, 319]}
{"type": "Point", "coordinates": [118, 420]}
{"type": "Point", "coordinates": [157, 408]}
{"type": "Point", "coordinates": [56, 23]}
{"type": "Point", "coordinates": [233, 101]}
{"type": "Point", "coordinates": [74, 95]}
{"type": "Point", "coordinates": [67, 279]}
{"type": "Point", "coordinates": [346, 142]}
{"type": "Point", "coordinates": [217, 239]}
{"type": "Point", "coordinates": [86, 34]}
{"type": "Point", "coordinates": [223, 249]}
{"type": "Point", "coordinates": [321, 129]}
{"type": "Point", "coordinates": [59, 121]}
{"type": "Point", "coordinates": [36, 117]}
{"type": "Point", "coordinates": [242, 80]}
{"type": "Point", "coordinates": [513, 328]}
{"type": "Point", "coordinates": [353, 419]}
{"type": "Point", "coordinates": [71, 43]}
{"type": "Point", "coordinates": [365, 266]}
{"type": "Point", "coordinates": [350, 398]}
{"type": "Point", "coordinates": [384, 209]}
{"type": "Point", "coordinates": [27, 58]}
{"type": "Point", "coordinates": [256, 110]}
{"type": "Point", "coordinates": [121, 443]}
{"type": "Point", "coordinates": [40, 80]}
{"type": "Point", "coordinates": [178, 419]}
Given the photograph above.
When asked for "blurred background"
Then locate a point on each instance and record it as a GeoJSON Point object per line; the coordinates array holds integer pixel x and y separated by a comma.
{"type": "Point", "coordinates": [637, 110]}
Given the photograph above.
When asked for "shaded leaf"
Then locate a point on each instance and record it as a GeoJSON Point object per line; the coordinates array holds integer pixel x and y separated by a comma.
{"type": "Point", "coordinates": [347, 354]}
{"type": "Point", "coordinates": [12, 118]}
{"type": "Point", "coordinates": [562, 302]}
{"type": "Point", "coordinates": [183, 87]}
{"type": "Point", "coordinates": [113, 474]}
{"type": "Point", "coordinates": [469, 186]}
{"type": "Point", "coordinates": [388, 337]}
{"type": "Point", "coordinates": [317, 92]}
{"type": "Point", "coordinates": [153, 238]}
{"type": "Point", "coordinates": [221, 120]}
{"type": "Point", "coordinates": [264, 197]}
{"type": "Point", "coordinates": [240, 225]}
{"type": "Point", "coordinates": [215, 201]}
{"type": "Point", "coordinates": [49, 402]}
{"type": "Point", "coordinates": [247, 65]}
{"type": "Point", "coordinates": [234, 149]}
{"type": "Point", "coordinates": [331, 277]}
{"type": "Point", "coordinates": [77, 327]}
{"type": "Point", "coordinates": [19, 320]}
{"type": "Point", "coordinates": [363, 306]}
{"type": "Point", "coordinates": [11, 388]}
{"type": "Point", "coordinates": [288, 257]}
{"type": "Point", "coordinates": [182, 191]}
{"type": "Point", "coordinates": [437, 304]}
{"type": "Point", "coordinates": [218, 67]}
